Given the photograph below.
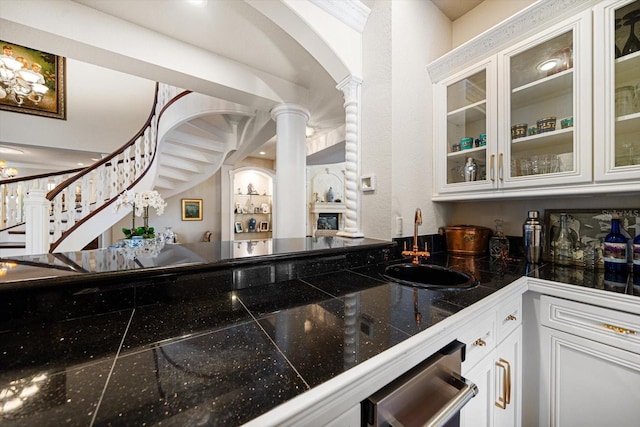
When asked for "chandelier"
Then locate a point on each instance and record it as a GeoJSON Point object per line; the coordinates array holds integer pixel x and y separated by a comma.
{"type": "Point", "coordinates": [7, 172]}
{"type": "Point", "coordinates": [19, 82]}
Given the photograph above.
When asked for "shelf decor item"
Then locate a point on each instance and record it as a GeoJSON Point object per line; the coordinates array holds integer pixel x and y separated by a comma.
{"type": "Point", "coordinates": [519, 130]}
{"type": "Point", "coordinates": [140, 204]}
{"type": "Point", "coordinates": [547, 124]}
{"type": "Point", "coordinates": [633, 43]}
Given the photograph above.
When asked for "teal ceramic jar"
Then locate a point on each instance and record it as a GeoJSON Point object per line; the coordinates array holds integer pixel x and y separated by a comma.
{"type": "Point", "coordinates": [466, 143]}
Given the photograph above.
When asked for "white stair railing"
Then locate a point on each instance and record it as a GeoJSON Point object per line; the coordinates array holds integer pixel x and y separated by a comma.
{"type": "Point", "coordinates": [79, 194]}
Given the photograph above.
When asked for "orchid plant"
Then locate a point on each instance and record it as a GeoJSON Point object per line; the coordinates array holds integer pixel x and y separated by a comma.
{"type": "Point", "coordinates": [140, 203]}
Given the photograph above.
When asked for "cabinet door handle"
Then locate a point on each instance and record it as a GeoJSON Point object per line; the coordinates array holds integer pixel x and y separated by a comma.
{"type": "Point", "coordinates": [491, 167]}
{"type": "Point", "coordinates": [619, 330]}
{"type": "Point", "coordinates": [479, 342]}
{"type": "Point", "coordinates": [502, 399]}
{"type": "Point", "coordinates": [508, 392]}
{"type": "Point", "coordinates": [500, 171]}
{"type": "Point", "coordinates": [511, 317]}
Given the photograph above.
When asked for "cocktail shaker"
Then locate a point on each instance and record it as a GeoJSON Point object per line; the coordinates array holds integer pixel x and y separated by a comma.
{"type": "Point", "coordinates": [533, 234]}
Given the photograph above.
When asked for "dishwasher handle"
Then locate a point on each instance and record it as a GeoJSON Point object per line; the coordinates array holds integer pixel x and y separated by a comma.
{"type": "Point", "coordinates": [467, 391]}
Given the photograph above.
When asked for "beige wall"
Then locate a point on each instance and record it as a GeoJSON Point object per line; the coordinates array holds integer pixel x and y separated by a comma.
{"type": "Point", "coordinates": [484, 16]}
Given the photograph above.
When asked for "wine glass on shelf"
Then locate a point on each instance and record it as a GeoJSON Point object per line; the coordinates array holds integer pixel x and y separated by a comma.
{"type": "Point", "coordinates": [632, 44]}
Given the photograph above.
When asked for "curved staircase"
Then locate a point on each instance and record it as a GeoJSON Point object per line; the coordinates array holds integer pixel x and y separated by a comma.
{"type": "Point", "coordinates": [185, 140]}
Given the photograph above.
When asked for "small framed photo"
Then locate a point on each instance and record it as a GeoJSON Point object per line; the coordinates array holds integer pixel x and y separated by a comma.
{"type": "Point", "coordinates": [265, 208]}
{"type": "Point", "coordinates": [192, 209]}
{"type": "Point", "coordinates": [239, 227]}
{"type": "Point", "coordinates": [264, 225]}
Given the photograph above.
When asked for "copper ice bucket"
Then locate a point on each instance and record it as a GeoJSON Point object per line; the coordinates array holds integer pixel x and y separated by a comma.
{"type": "Point", "coordinates": [467, 239]}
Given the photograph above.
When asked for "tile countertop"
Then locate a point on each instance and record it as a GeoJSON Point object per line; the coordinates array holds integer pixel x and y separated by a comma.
{"type": "Point", "coordinates": [176, 356]}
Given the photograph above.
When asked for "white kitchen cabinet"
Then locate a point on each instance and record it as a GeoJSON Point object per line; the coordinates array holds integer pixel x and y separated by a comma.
{"type": "Point", "coordinates": [616, 111]}
{"type": "Point", "coordinates": [588, 376]}
{"type": "Point", "coordinates": [509, 88]}
{"type": "Point", "coordinates": [498, 80]}
{"type": "Point", "coordinates": [497, 338]}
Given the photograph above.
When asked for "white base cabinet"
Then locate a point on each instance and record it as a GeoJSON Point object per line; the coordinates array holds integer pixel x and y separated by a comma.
{"type": "Point", "coordinates": [588, 377]}
{"type": "Point", "coordinates": [497, 338]}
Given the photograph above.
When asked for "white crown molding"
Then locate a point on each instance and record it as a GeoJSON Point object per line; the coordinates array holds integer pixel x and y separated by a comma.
{"type": "Point", "coordinates": [530, 20]}
{"type": "Point", "coordinates": [353, 13]}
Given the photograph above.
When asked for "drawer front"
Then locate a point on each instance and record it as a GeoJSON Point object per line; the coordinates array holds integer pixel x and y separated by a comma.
{"type": "Point", "coordinates": [509, 317]}
{"type": "Point", "coordinates": [480, 338]}
{"type": "Point", "coordinates": [615, 328]}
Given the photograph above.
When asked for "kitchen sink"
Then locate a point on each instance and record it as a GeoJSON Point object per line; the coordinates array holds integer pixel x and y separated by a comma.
{"type": "Point", "coordinates": [429, 276]}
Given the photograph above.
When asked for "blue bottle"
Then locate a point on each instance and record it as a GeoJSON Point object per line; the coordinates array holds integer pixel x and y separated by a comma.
{"type": "Point", "coordinates": [615, 249]}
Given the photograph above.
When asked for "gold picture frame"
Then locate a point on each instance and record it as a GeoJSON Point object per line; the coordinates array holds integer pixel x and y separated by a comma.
{"type": "Point", "coordinates": [32, 81]}
{"type": "Point", "coordinates": [192, 209]}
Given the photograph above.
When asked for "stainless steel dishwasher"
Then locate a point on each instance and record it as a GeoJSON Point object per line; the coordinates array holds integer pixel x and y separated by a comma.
{"type": "Point", "coordinates": [430, 394]}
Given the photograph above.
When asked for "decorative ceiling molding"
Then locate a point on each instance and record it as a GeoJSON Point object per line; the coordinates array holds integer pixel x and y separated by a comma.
{"type": "Point", "coordinates": [353, 13]}
{"type": "Point", "coordinates": [521, 25]}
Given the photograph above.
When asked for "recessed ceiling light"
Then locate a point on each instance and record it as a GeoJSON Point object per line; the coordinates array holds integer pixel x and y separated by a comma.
{"type": "Point", "coordinates": [549, 64]}
{"type": "Point", "coordinates": [9, 150]}
{"type": "Point", "coordinates": [262, 153]}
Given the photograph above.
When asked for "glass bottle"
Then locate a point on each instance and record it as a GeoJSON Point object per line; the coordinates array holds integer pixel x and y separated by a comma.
{"type": "Point", "coordinates": [499, 244]}
{"type": "Point", "coordinates": [615, 249]}
{"type": "Point", "coordinates": [563, 243]}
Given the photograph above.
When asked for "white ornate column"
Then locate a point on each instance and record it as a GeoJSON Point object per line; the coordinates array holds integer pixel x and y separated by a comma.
{"type": "Point", "coordinates": [36, 210]}
{"type": "Point", "coordinates": [351, 90]}
{"type": "Point", "coordinates": [290, 213]}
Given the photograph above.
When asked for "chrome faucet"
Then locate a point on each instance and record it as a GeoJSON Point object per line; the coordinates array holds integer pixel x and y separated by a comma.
{"type": "Point", "coordinates": [416, 254]}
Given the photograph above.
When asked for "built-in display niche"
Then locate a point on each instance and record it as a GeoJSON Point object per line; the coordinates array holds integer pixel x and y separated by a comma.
{"type": "Point", "coordinates": [326, 199]}
{"type": "Point", "coordinates": [252, 204]}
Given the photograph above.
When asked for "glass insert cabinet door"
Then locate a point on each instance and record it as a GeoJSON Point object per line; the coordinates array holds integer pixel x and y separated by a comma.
{"type": "Point", "coordinates": [467, 142]}
{"type": "Point", "coordinates": [547, 108]}
{"type": "Point", "coordinates": [617, 108]}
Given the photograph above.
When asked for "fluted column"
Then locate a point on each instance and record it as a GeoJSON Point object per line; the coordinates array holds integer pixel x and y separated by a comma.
{"type": "Point", "coordinates": [351, 89]}
{"type": "Point", "coordinates": [290, 213]}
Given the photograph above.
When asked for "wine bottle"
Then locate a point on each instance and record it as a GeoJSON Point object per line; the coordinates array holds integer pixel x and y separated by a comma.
{"type": "Point", "coordinates": [563, 244]}
{"type": "Point", "coordinates": [615, 249]}
{"type": "Point", "coordinates": [636, 260]}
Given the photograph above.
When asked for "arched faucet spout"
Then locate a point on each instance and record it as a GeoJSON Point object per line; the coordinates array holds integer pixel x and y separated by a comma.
{"type": "Point", "coordinates": [416, 254]}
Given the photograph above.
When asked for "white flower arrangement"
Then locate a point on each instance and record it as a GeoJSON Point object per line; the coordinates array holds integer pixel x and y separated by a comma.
{"type": "Point", "coordinates": [140, 202]}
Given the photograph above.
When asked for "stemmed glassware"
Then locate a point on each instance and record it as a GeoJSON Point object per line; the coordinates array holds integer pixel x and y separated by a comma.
{"type": "Point", "coordinates": [632, 44]}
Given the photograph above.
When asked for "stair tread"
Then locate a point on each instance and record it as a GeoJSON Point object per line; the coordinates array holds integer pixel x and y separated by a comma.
{"type": "Point", "coordinates": [12, 245]}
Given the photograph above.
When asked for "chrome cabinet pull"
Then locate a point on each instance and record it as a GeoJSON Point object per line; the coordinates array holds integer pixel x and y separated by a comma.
{"type": "Point", "coordinates": [619, 330]}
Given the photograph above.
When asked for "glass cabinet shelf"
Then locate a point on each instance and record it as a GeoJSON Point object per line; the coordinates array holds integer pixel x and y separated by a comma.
{"type": "Point", "coordinates": [470, 113]}
{"type": "Point", "coordinates": [546, 88]}
{"type": "Point", "coordinates": [545, 140]}
{"type": "Point", "coordinates": [464, 153]}
{"type": "Point", "coordinates": [627, 67]}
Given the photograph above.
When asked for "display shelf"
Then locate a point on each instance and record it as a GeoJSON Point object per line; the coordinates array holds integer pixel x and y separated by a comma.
{"type": "Point", "coordinates": [627, 68]}
{"type": "Point", "coordinates": [549, 87]}
{"type": "Point", "coordinates": [464, 153]}
{"type": "Point", "coordinates": [545, 140]}
{"type": "Point", "coordinates": [628, 124]}
{"type": "Point", "coordinates": [468, 114]}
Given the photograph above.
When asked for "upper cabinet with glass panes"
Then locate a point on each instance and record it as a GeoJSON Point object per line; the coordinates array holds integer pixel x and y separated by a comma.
{"type": "Point", "coordinates": [539, 113]}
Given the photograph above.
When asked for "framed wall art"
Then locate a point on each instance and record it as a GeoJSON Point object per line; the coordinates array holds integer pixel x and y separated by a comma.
{"type": "Point", "coordinates": [192, 209]}
{"type": "Point", "coordinates": [32, 81]}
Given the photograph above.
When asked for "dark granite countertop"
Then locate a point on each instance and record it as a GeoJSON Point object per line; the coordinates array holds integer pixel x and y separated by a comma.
{"type": "Point", "coordinates": [197, 349]}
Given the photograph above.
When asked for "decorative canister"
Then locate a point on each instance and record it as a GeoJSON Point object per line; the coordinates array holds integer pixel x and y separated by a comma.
{"type": "Point", "coordinates": [466, 143]}
{"type": "Point", "coordinates": [533, 130]}
{"type": "Point", "coordinates": [567, 122]}
{"type": "Point", "coordinates": [455, 148]}
{"type": "Point", "coordinates": [519, 130]}
{"type": "Point", "coordinates": [547, 124]}
{"type": "Point", "coordinates": [483, 139]}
